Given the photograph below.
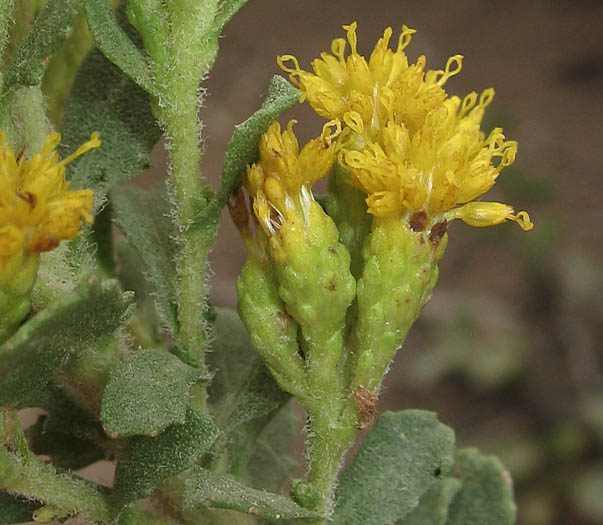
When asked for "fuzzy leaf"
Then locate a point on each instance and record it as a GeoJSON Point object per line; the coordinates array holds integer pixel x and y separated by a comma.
{"type": "Point", "coordinates": [243, 146]}
{"type": "Point", "coordinates": [397, 463]}
{"type": "Point", "coordinates": [116, 45]}
{"type": "Point", "coordinates": [148, 461]}
{"type": "Point", "coordinates": [243, 389]}
{"type": "Point", "coordinates": [203, 488]}
{"type": "Point", "coordinates": [14, 509]}
{"type": "Point", "coordinates": [433, 507]}
{"type": "Point", "coordinates": [270, 461]}
{"type": "Point", "coordinates": [146, 393]}
{"type": "Point", "coordinates": [143, 218]}
{"type": "Point", "coordinates": [103, 99]}
{"type": "Point", "coordinates": [245, 400]}
{"type": "Point", "coordinates": [131, 278]}
{"type": "Point", "coordinates": [226, 10]}
{"type": "Point", "coordinates": [486, 495]}
{"type": "Point", "coordinates": [33, 355]}
{"type": "Point", "coordinates": [51, 28]}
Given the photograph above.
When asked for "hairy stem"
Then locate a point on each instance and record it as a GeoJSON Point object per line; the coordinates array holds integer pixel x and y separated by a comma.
{"type": "Point", "coordinates": [22, 473]}
{"type": "Point", "coordinates": [33, 479]}
{"type": "Point", "coordinates": [332, 429]}
{"type": "Point", "coordinates": [192, 51]}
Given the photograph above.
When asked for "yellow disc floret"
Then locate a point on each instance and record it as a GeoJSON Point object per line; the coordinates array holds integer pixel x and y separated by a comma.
{"type": "Point", "coordinates": [448, 162]}
{"type": "Point", "coordinates": [384, 88]}
{"type": "Point", "coordinates": [280, 182]}
{"type": "Point", "coordinates": [417, 153]}
{"type": "Point", "coordinates": [37, 208]}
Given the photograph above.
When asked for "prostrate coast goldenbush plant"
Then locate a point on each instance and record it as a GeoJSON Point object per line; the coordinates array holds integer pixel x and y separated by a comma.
{"type": "Point", "coordinates": [112, 337]}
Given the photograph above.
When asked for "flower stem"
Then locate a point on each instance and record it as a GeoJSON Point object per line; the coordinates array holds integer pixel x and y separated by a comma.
{"type": "Point", "coordinates": [332, 429]}
{"type": "Point", "coordinates": [192, 51]}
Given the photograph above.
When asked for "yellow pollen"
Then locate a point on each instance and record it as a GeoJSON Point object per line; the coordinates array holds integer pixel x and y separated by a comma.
{"type": "Point", "coordinates": [37, 208]}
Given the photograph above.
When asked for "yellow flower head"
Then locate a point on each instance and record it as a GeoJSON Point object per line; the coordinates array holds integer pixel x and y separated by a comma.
{"type": "Point", "coordinates": [385, 87]}
{"type": "Point", "coordinates": [417, 153]}
{"type": "Point", "coordinates": [425, 176]}
{"type": "Point", "coordinates": [37, 209]}
{"type": "Point", "coordinates": [280, 182]}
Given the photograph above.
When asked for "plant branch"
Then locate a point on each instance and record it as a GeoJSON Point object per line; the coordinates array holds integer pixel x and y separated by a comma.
{"type": "Point", "coordinates": [22, 473]}
{"type": "Point", "coordinates": [191, 52]}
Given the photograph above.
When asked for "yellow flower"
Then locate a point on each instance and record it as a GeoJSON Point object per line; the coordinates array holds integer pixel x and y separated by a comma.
{"type": "Point", "coordinates": [385, 87]}
{"type": "Point", "coordinates": [417, 153]}
{"type": "Point", "coordinates": [280, 182]}
{"type": "Point", "coordinates": [37, 209]}
{"type": "Point", "coordinates": [425, 176]}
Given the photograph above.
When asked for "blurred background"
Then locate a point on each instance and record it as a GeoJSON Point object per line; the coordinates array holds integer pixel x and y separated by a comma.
{"type": "Point", "coordinates": [509, 351]}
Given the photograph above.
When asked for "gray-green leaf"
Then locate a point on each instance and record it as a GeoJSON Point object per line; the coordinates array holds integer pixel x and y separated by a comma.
{"type": "Point", "coordinates": [487, 492]}
{"type": "Point", "coordinates": [115, 44]}
{"type": "Point", "coordinates": [203, 488]}
{"type": "Point", "coordinates": [226, 10]}
{"type": "Point", "coordinates": [243, 389]}
{"type": "Point", "coordinates": [131, 278]}
{"type": "Point", "coordinates": [243, 146]}
{"type": "Point", "coordinates": [270, 460]}
{"type": "Point", "coordinates": [397, 463]}
{"type": "Point", "coordinates": [148, 461]}
{"type": "Point", "coordinates": [143, 218]}
{"type": "Point", "coordinates": [33, 355]}
{"type": "Point", "coordinates": [51, 28]}
{"type": "Point", "coordinates": [103, 99]}
{"type": "Point", "coordinates": [146, 393]}
{"type": "Point", "coordinates": [433, 507]}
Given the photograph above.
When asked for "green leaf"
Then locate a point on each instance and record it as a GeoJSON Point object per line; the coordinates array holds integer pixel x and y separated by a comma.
{"type": "Point", "coordinates": [270, 461]}
{"type": "Point", "coordinates": [226, 10]}
{"type": "Point", "coordinates": [131, 278]}
{"type": "Point", "coordinates": [146, 393]}
{"type": "Point", "coordinates": [51, 28]}
{"type": "Point", "coordinates": [243, 146]}
{"type": "Point", "coordinates": [433, 507]}
{"type": "Point", "coordinates": [116, 45]}
{"type": "Point", "coordinates": [14, 509]}
{"type": "Point", "coordinates": [397, 463]}
{"type": "Point", "coordinates": [34, 354]}
{"type": "Point", "coordinates": [242, 389]}
{"type": "Point", "coordinates": [143, 218]}
{"type": "Point", "coordinates": [147, 461]}
{"type": "Point", "coordinates": [203, 488]}
{"type": "Point", "coordinates": [244, 398]}
{"type": "Point", "coordinates": [103, 99]}
{"type": "Point", "coordinates": [487, 492]}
